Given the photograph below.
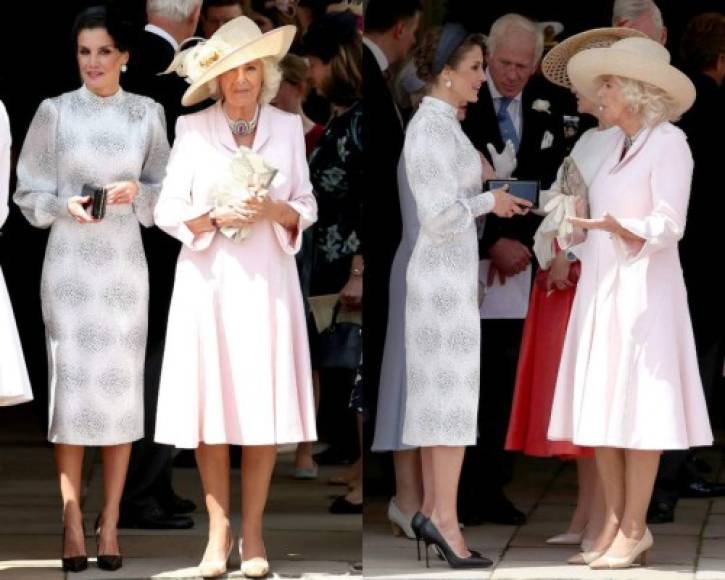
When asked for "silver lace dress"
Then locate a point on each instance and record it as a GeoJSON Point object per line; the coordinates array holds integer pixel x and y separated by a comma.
{"type": "Point", "coordinates": [94, 287]}
{"type": "Point", "coordinates": [442, 328]}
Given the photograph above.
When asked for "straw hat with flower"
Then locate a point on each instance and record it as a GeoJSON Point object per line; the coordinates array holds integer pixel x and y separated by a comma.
{"type": "Point", "coordinates": [639, 59]}
{"type": "Point", "coordinates": [553, 65]}
{"type": "Point", "coordinates": [237, 42]}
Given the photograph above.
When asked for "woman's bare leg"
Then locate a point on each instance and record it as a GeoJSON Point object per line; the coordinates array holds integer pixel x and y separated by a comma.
{"type": "Point", "coordinates": [640, 473]}
{"type": "Point", "coordinates": [447, 462]}
{"type": "Point", "coordinates": [408, 481]}
{"type": "Point", "coordinates": [213, 463]}
{"type": "Point", "coordinates": [69, 462]}
{"type": "Point", "coordinates": [115, 466]}
{"type": "Point", "coordinates": [257, 467]}
{"type": "Point", "coordinates": [610, 466]}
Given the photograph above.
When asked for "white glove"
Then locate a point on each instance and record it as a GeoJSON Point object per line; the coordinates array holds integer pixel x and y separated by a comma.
{"type": "Point", "coordinates": [505, 162]}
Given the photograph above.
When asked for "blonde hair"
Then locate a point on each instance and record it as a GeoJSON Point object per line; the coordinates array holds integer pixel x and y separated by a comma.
{"type": "Point", "coordinates": [271, 79]}
{"type": "Point", "coordinates": [650, 103]}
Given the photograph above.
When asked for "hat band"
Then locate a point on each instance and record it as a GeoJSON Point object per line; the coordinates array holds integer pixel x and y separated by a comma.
{"type": "Point", "coordinates": [452, 36]}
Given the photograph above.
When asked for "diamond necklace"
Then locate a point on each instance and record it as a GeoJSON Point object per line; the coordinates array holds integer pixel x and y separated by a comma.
{"type": "Point", "coordinates": [240, 126]}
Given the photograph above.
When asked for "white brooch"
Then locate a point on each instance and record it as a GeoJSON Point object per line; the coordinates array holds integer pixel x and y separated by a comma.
{"type": "Point", "coordinates": [541, 106]}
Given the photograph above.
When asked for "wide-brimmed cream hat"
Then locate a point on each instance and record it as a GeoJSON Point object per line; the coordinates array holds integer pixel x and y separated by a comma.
{"type": "Point", "coordinates": [235, 43]}
{"type": "Point", "coordinates": [640, 59]}
{"type": "Point", "coordinates": [553, 65]}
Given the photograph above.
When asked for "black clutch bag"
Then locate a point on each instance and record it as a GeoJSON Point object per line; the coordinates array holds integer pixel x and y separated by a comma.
{"type": "Point", "coordinates": [340, 344]}
{"type": "Point", "coordinates": [97, 202]}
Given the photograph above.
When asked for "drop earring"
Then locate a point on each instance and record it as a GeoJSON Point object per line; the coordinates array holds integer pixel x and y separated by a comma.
{"type": "Point", "coordinates": [124, 67]}
{"type": "Point", "coordinates": [449, 83]}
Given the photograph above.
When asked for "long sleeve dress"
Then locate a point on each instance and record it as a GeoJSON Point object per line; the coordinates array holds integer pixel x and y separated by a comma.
{"type": "Point", "coordinates": [628, 375]}
{"type": "Point", "coordinates": [442, 332]}
{"type": "Point", "coordinates": [236, 364]}
{"type": "Point", "coordinates": [548, 314]}
{"type": "Point", "coordinates": [94, 285]}
{"type": "Point", "coordinates": [14, 382]}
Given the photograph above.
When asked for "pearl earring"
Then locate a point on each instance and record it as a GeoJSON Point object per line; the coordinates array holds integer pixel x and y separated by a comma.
{"type": "Point", "coordinates": [124, 67]}
{"type": "Point", "coordinates": [449, 83]}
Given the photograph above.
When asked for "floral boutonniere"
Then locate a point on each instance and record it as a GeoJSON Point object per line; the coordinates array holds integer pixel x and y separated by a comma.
{"type": "Point", "coordinates": [541, 106]}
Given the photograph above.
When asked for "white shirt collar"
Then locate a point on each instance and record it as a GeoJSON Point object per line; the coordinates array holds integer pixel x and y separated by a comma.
{"type": "Point", "coordinates": [378, 53]}
{"type": "Point", "coordinates": [158, 31]}
{"type": "Point", "coordinates": [494, 91]}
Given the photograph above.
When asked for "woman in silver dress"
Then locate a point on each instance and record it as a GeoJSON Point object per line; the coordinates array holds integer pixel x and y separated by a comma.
{"type": "Point", "coordinates": [442, 331]}
{"type": "Point", "coordinates": [94, 288]}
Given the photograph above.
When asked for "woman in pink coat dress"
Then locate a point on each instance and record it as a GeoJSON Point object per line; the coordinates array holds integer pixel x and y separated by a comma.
{"type": "Point", "coordinates": [236, 363]}
{"type": "Point", "coordinates": [628, 382]}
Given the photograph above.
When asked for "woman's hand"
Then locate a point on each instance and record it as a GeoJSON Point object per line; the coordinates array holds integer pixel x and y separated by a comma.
{"type": "Point", "coordinates": [507, 205]}
{"type": "Point", "coordinates": [557, 277]}
{"type": "Point", "coordinates": [504, 162]}
{"type": "Point", "coordinates": [76, 208]}
{"type": "Point", "coordinates": [606, 223]}
{"type": "Point", "coordinates": [121, 192]}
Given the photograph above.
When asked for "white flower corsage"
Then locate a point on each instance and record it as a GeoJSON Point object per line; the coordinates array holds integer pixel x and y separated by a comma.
{"type": "Point", "coordinates": [541, 106]}
{"type": "Point", "coordinates": [193, 62]}
{"type": "Point", "coordinates": [248, 175]}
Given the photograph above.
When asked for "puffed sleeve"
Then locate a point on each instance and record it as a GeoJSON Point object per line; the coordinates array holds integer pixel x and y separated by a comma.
{"type": "Point", "coordinates": [37, 189]}
{"type": "Point", "coordinates": [154, 167]}
{"type": "Point", "coordinates": [430, 165]}
{"type": "Point", "coordinates": [176, 205]}
{"type": "Point", "coordinates": [670, 180]}
{"type": "Point", "coordinates": [301, 199]}
{"type": "Point", "coordinates": [5, 142]}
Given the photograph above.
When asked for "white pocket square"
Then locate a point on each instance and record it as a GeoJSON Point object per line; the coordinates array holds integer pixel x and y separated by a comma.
{"type": "Point", "coordinates": [547, 140]}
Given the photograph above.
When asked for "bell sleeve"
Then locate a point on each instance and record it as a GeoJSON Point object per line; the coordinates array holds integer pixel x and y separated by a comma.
{"type": "Point", "coordinates": [176, 205]}
{"type": "Point", "coordinates": [430, 165]}
{"type": "Point", "coordinates": [301, 199]}
{"type": "Point", "coordinates": [37, 189]}
{"type": "Point", "coordinates": [670, 180]}
{"type": "Point", "coordinates": [154, 167]}
{"type": "Point", "coordinates": [5, 142]}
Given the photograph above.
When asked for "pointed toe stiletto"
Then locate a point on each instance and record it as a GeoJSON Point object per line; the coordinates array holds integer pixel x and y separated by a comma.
{"type": "Point", "coordinates": [431, 535]}
{"type": "Point", "coordinates": [583, 558]}
{"type": "Point", "coordinates": [108, 562]}
{"type": "Point", "coordinates": [638, 554]}
{"type": "Point", "coordinates": [415, 525]}
{"type": "Point", "coordinates": [73, 563]}
{"type": "Point", "coordinates": [400, 523]}
{"type": "Point", "coordinates": [255, 568]}
{"type": "Point", "coordinates": [567, 539]}
{"type": "Point", "coordinates": [215, 568]}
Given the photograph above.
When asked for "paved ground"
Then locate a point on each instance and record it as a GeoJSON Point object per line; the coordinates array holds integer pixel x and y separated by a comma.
{"type": "Point", "coordinates": [691, 548]}
{"type": "Point", "coordinates": [303, 540]}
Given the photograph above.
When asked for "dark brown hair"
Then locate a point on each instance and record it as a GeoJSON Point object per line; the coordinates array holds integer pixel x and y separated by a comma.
{"type": "Point", "coordinates": [703, 41]}
{"type": "Point", "coordinates": [426, 51]}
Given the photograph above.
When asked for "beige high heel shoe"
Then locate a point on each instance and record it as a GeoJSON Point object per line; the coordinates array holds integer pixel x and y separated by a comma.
{"type": "Point", "coordinates": [254, 567]}
{"type": "Point", "coordinates": [567, 539]}
{"type": "Point", "coordinates": [638, 554]}
{"type": "Point", "coordinates": [584, 558]}
{"type": "Point", "coordinates": [214, 568]}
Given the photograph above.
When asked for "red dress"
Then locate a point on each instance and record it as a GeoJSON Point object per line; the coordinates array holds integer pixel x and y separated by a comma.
{"type": "Point", "coordinates": [541, 346]}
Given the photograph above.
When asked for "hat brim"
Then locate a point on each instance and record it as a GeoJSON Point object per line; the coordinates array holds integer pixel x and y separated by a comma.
{"type": "Point", "coordinates": [554, 63]}
{"type": "Point", "coordinates": [274, 43]}
{"type": "Point", "coordinates": [585, 69]}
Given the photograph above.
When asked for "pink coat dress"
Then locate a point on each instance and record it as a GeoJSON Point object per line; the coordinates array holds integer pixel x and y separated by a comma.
{"type": "Point", "coordinates": [236, 365]}
{"type": "Point", "coordinates": [628, 375]}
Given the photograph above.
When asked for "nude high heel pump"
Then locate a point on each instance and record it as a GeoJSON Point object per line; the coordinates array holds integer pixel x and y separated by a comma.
{"type": "Point", "coordinates": [638, 554]}
{"type": "Point", "coordinates": [215, 568]}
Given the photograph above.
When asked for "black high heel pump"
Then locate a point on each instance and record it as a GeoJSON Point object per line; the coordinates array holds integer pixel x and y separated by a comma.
{"type": "Point", "coordinates": [431, 535]}
{"type": "Point", "coordinates": [73, 563]}
{"type": "Point", "coordinates": [109, 562]}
